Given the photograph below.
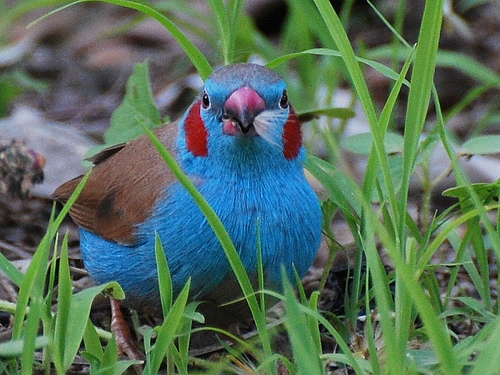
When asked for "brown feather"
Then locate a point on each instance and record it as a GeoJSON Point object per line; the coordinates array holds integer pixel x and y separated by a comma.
{"type": "Point", "coordinates": [123, 187]}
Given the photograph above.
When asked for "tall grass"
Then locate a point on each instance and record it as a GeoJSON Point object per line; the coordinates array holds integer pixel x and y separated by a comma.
{"type": "Point", "coordinates": [399, 308]}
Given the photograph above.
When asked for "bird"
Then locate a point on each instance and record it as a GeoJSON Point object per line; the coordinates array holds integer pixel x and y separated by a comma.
{"type": "Point", "coordinates": [240, 143]}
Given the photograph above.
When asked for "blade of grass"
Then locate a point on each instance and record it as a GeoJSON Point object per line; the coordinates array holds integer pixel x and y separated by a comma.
{"type": "Point", "coordinates": [378, 157]}
{"type": "Point", "coordinates": [39, 259]}
{"type": "Point", "coordinates": [63, 306]}
{"type": "Point", "coordinates": [167, 331]}
{"type": "Point", "coordinates": [164, 277]}
{"type": "Point", "coordinates": [395, 31]}
{"type": "Point", "coordinates": [379, 137]}
{"type": "Point", "coordinates": [434, 325]}
{"type": "Point", "coordinates": [32, 288]}
{"type": "Point", "coordinates": [447, 59]}
{"type": "Point", "coordinates": [14, 348]}
{"type": "Point", "coordinates": [224, 239]}
{"type": "Point", "coordinates": [197, 58]}
{"type": "Point", "coordinates": [227, 18]}
{"type": "Point", "coordinates": [347, 357]}
{"type": "Point", "coordinates": [222, 18]}
{"type": "Point", "coordinates": [420, 91]}
{"type": "Point", "coordinates": [304, 348]}
{"type": "Point", "coordinates": [463, 180]}
{"type": "Point", "coordinates": [78, 313]}
{"type": "Point", "coordinates": [10, 270]}
{"type": "Point", "coordinates": [370, 333]}
{"type": "Point", "coordinates": [381, 68]}
{"type": "Point", "coordinates": [340, 38]}
{"type": "Point", "coordinates": [489, 356]}
{"type": "Point", "coordinates": [235, 9]}
{"type": "Point", "coordinates": [92, 342]}
{"type": "Point", "coordinates": [382, 294]}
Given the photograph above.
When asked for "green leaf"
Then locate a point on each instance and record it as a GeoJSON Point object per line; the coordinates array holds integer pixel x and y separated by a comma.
{"type": "Point", "coordinates": [14, 348]}
{"type": "Point", "coordinates": [10, 270]}
{"type": "Point", "coordinates": [340, 186]}
{"type": "Point", "coordinates": [482, 189]}
{"type": "Point", "coordinates": [425, 358]}
{"type": "Point", "coordinates": [164, 277]}
{"type": "Point", "coordinates": [477, 306]}
{"type": "Point", "coordinates": [109, 359]}
{"type": "Point", "coordinates": [468, 65]}
{"type": "Point", "coordinates": [63, 308]}
{"type": "Point", "coordinates": [78, 314]}
{"type": "Point", "coordinates": [8, 91]}
{"type": "Point", "coordinates": [303, 345]}
{"type": "Point", "coordinates": [167, 331]}
{"type": "Point", "coordinates": [381, 68]}
{"type": "Point", "coordinates": [340, 113]}
{"type": "Point", "coordinates": [481, 145]}
{"type": "Point", "coordinates": [93, 347]}
{"type": "Point", "coordinates": [136, 111]}
{"type": "Point", "coordinates": [362, 143]}
{"type": "Point", "coordinates": [222, 18]}
{"type": "Point", "coordinates": [488, 360]}
{"type": "Point", "coordinates": [487, 193]}
{"type": "Point", "coordinates": [223, 237]}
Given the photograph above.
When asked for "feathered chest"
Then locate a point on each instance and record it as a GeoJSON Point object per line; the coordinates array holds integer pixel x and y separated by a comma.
{"type": "Point", "coordinates": [243, 202]}
{"type": "Point", "coordinates": [278, 214]}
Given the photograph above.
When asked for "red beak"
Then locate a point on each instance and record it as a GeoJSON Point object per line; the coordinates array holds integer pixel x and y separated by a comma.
{"type": "Point", "coordinates": [242, 107]}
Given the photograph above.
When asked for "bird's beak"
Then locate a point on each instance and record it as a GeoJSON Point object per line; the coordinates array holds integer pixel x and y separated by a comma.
{"type": "Point", "coordinates": [240, 110]}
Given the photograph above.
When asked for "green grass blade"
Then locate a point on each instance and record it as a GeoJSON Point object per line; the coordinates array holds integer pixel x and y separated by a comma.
{"type": "Point", "coordinates": [303, 346]}
{"type": "Point", "coordinates": [394, 32]}
{"type": "Point", "coordinates": [343, 44]}
{"type": "Point", "coordinates": [164, 277]}
{"type": "Point", "coordinates": [109, 359]}
{"type": "Point", "coordinates": [10, 270]}
{"type": "Point", "coordinates": [14, 348]}
{"type": "Point", "coordinates": [197, 58]}
{"type": "Point", "coordinates": [435, 327]}
{"type": "Point", "coordinates": [222, 18]}
{"type": "Point", "coordinates": [382, 294]}
{"type": "Point", "coordinates": [223, 237]}
{"type": "Point", "coordinates": [469, 66]}
{"type": "Point", "coordinates": [92, 342]}
{"type": "Point", "coordinates": [381, 68]}
{"type": "Point", "coordinates": [447, 59]}
{"type": "Point", "coordinates": [56, 223]}
{"type": "Point", "coordinates": [235, 8]}
{"type": "Point", "coordinates": [488, 360]}
{"type": "Point", "coordinates": [77, 316]}
{"type": "Point", "coordinates": [32, 288]}
{"type": "Point", "coordinates": [420, 91]}
{"type": "Point", "coordinates": [62, 322]}
{"type": "Point", "coordinates": [348, 357]}
{"type": "Point", "coordinates": [167, 331]}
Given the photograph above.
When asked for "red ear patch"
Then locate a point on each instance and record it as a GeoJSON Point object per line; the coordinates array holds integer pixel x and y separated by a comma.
{"type": "Point", "coordinates": [196, 133]}
{"type": "Point", "coordinates": [292, 136]}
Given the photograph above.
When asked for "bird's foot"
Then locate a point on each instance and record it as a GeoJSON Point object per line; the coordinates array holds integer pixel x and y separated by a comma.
{"type": "Point", "coordinates": [119, 327]}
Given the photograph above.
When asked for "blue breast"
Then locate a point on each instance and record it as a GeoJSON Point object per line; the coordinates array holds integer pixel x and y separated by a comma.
{"type": "Point", "coordinates": [279, 210]}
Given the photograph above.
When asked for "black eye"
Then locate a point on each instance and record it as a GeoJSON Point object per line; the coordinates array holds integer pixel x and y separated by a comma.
{"type": "Point", "coordinates": [205, 100]}
{"type": "Point", "coordinates": [284, 100]}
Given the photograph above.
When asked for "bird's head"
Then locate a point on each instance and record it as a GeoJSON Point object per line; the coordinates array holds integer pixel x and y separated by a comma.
{"type": "Point", "coordinates": [242, 112]}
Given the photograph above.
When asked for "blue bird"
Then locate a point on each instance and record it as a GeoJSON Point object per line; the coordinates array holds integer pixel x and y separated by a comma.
{"type": "Point", "coordinates": [240, 143]}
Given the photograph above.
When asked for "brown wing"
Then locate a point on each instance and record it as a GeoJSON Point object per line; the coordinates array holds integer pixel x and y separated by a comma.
{"type": "Point", "coordinates": [122, 188]}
